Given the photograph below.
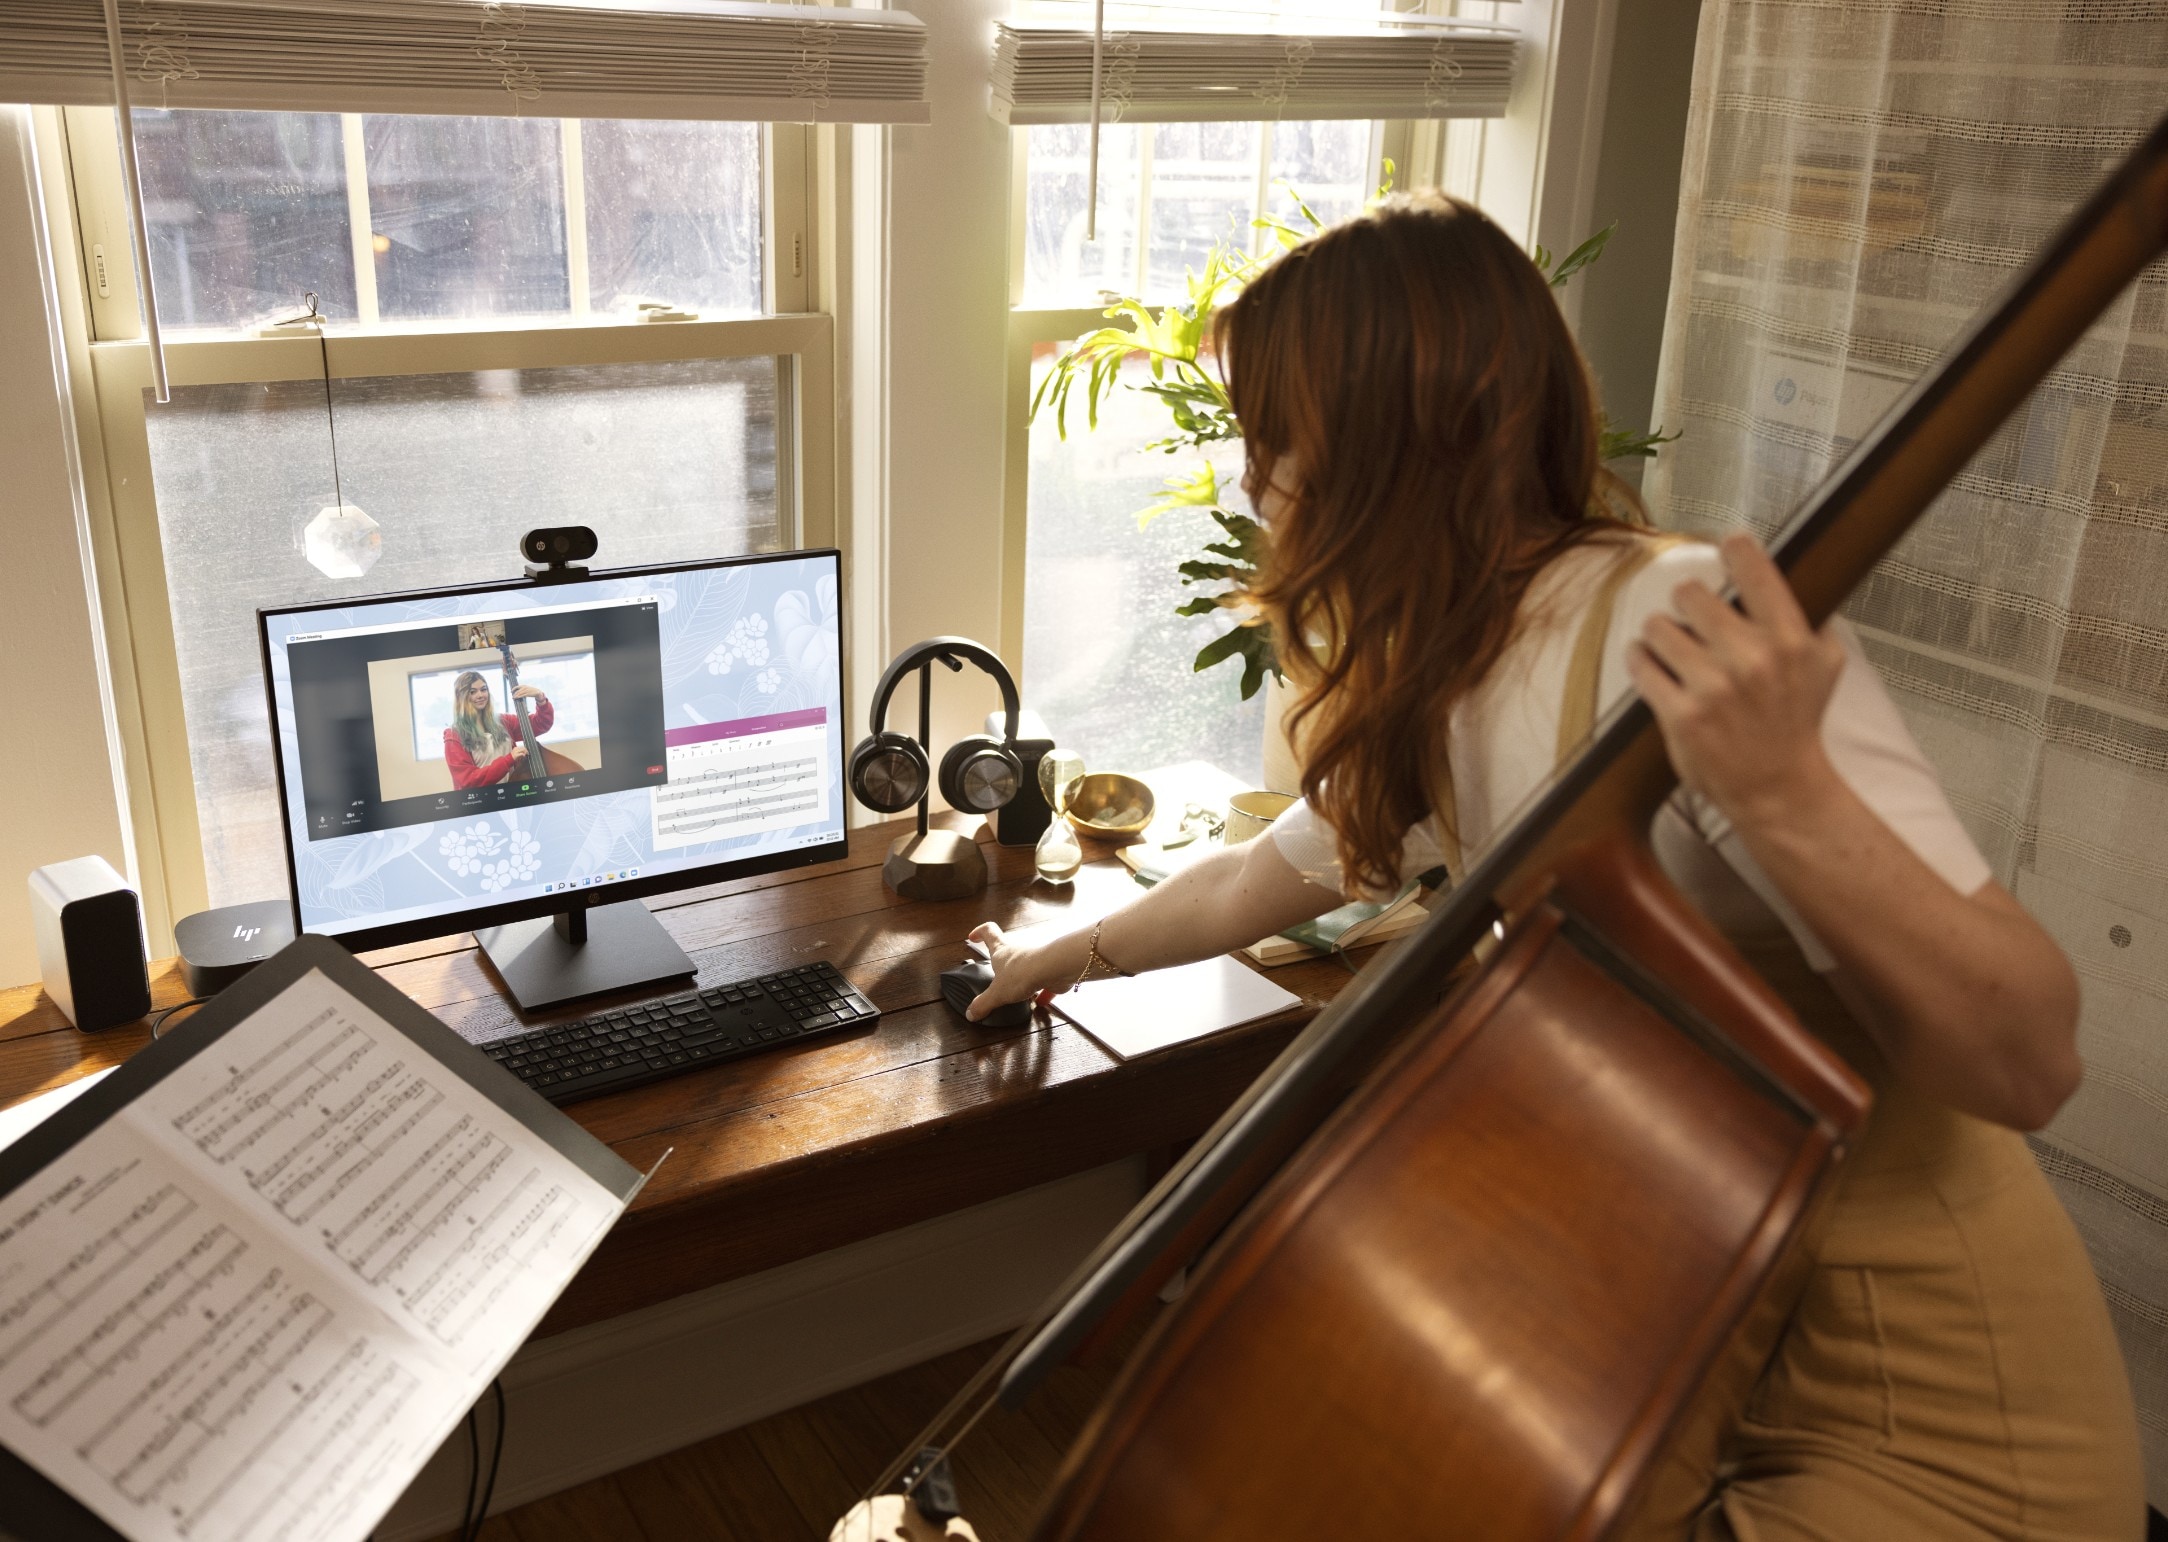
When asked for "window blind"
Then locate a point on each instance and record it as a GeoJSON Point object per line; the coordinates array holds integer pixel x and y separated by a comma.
{"type": "Point", "coordinates": [1403, 67]}
{"type": "Point", "coordinates": [710, 59]}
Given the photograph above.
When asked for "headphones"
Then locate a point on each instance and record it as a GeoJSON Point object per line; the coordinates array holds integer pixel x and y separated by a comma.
{"type": "Point", "coordinates": [979, 774]}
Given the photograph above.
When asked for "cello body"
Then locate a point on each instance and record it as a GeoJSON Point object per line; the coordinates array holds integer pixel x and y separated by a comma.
{"type": "Point", "coordinates": [1415, 1280]}
{"type": "Point", "coordinates": [538, 759]}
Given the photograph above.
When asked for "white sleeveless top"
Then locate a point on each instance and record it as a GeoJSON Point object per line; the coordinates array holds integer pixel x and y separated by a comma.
{"type": "Point", "coordinates": [1503, 749]}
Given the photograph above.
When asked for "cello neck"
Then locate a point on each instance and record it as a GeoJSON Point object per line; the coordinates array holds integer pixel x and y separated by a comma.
{"type": "Point", "coordinates": [532, 751]}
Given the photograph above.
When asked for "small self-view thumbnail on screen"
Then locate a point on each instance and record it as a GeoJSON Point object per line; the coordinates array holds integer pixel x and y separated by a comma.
{"type": "Point", "coordinates": [411, 723]}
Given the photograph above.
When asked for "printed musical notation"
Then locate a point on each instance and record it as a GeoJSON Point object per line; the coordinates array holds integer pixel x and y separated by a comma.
{"type": "Point", "coordinates": [345, 1131]}
{"type": "Point", "coordinates": [248, 1306]}
{"type": "Point", "coordinates": [726, 787]}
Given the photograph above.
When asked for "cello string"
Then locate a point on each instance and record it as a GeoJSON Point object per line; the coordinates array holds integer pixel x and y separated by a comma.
{"type": "Point", "coordinates": [931, 1435]}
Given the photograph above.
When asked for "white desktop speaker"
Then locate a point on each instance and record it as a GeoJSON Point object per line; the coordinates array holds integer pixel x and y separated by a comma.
{"type": "Point", "coordinates": [89, 932]}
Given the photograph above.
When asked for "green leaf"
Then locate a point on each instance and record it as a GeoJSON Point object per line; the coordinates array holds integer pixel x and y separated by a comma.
{"type": "Point", "coordinates": [1581, 256]}
{"type": "Point", "coordinates": [1220, 649]}
{"type": "Point", "coordinates": [1630, 444]}
{"type": "Point", "coordinates": [1253, 645]}
{"type": "Point", "coordinates": [1209, 572]}
{"type": "Point", "coordinates": [1190, 492]}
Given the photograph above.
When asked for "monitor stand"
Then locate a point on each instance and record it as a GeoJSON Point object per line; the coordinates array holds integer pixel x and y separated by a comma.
{"type": "Point", "coordinates": [583, 952]}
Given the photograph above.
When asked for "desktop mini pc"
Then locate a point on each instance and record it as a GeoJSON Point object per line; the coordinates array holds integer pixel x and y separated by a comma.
{"type": "Point", "coordinates": [526, 760]}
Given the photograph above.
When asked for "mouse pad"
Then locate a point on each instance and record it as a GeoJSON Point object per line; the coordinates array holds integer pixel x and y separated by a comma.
{"type": "Point", "coordinates": [1147, 1012]}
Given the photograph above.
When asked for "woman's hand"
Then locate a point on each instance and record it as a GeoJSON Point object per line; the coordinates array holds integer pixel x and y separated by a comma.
{"type": "Point", "coordinates": [1739, 697]}
{"type": "Point", "coordinates": [528, 693]}
{"type": "Point", "coordinates": [1224, 901]}
{"type": "Point", "coordinates": [1970, 1000]}
{"type": "Point", "coordinates": [1028, 967]}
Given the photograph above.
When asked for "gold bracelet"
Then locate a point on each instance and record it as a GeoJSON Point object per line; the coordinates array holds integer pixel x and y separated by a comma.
{"type": "Point", "coordinates": [1094, 959]}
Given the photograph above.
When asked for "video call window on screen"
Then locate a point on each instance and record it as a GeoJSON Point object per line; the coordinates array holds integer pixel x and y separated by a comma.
{"type": "Point", "coordinates": [416, 722]}
{"type": "Point", "coordinates": [567, 678]}
{"type": "Point", "coordinates": [687, 720]}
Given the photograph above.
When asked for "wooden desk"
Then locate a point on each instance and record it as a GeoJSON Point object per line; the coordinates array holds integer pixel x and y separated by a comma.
{"type": "Point", "coordinates": [815, 1145]}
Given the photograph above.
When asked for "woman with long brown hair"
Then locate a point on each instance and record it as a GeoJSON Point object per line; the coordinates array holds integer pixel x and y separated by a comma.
{"type": "Point", "coordinates": [1457, 591]}
{"type": "Point", "coordinates": [481, 748]}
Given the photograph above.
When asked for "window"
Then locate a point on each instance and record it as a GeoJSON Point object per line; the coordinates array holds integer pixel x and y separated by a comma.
{"type": "Point", "coordinates": [399, 218]}
{"type": "Point", "coordinates": [1107, 662]}
{"type": "Point", "coordinates": [486, 375]}
{"type": "Point", "coordinates": [1170, 192]}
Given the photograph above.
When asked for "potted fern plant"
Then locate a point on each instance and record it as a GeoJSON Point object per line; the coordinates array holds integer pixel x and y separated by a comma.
{"type": "Point", "coordinates": [1171, 342]}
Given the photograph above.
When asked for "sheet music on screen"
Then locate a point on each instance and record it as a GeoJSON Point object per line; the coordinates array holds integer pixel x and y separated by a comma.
{"type": "Point", "coordinates": [684, 718]}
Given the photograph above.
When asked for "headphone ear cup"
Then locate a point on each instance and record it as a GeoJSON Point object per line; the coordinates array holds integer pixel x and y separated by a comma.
{"type": "Point", "coordinates": [888, 772]}
{"type": "Point", "coordinates": [980, 774]}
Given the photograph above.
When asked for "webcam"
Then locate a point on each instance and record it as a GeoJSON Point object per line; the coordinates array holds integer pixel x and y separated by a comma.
{"type": "Point", "coordinates": [551, 551]}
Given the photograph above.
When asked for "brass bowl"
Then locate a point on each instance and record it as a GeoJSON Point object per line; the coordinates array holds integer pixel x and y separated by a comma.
{"type": "Point", "coordinates": [1109, 805]}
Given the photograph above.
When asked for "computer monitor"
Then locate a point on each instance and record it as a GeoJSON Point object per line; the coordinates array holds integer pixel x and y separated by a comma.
{"type": "Point", "coordinates": [686, 726]}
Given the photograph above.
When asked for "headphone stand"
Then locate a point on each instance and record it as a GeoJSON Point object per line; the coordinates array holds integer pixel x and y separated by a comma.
{"type": "Point", "coordinates": [933, 864]}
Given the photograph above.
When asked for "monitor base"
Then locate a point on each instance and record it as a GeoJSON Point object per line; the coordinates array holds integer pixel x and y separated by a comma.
{"type": "Point", "coordinates": [583, 953]}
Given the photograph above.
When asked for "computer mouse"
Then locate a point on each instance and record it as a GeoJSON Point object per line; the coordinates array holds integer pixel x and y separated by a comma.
{"type": "Point", "coordinates": [961, 986]}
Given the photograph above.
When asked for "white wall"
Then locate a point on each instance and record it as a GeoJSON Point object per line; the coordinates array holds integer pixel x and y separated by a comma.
{"type": "Point", "coordinates": [947, 303]}
{"type": "Point", "coordinates": [57, 782]}
{"type": "Point", "coordinates": [1624, 297]}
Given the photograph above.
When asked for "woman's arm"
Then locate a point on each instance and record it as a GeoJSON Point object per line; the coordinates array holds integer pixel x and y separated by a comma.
{"type": "Point", "coordinates": [541, 716]}
{"type": "Point", "coordinates": [1970, 999]}
{"type": "Point", "coordinates": [1226, 901]}
{"type": "Point", "coordinates": [465, 773]}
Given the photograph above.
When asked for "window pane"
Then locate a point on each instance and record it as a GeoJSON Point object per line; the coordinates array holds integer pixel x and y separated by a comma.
{"type": "Point", "coordinates": [246, 213]}
{"type": "Point", "coordinates": [1107, 662]}
{"type": "Point", "coordinates": [673, 213]}
{"type": "Point", "coordinates": [1204, 194]}
{"type": "Point", "coordinates": [1060, 266]}
{"type": "Point", "coordinates": [1326, 163]}
{"type": "Point", "coordinates": [1204, 184]}
{"type": "Point", "coordinates": [668, 462]}
{"type": "Point", "coordinates": [467, 216]}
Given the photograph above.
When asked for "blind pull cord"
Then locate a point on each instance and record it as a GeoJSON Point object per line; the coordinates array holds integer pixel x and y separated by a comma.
{"type": "Point", "coordinates": [132, 179]}
{"type": "Point", "coordinates": [1091, 175]}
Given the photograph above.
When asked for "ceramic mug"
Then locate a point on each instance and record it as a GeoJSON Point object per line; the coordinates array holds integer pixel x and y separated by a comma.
{"type": "Point", "coordinates": [1250, 814]}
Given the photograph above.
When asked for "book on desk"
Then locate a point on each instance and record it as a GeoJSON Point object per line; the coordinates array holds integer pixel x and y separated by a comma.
{"type": "Point", "coordinates": [252, 1279]}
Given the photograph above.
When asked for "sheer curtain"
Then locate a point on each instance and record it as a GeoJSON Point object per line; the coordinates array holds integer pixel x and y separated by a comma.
{"type": "Point", "coordinates": [1860, 177]}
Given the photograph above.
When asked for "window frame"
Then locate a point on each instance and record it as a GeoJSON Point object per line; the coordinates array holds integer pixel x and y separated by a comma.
{"type": "Point", "coordinates": [110, 374]}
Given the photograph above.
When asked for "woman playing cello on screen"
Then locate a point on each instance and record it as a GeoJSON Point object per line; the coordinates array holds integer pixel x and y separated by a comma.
{"type": "Point", "coordinates": [482, 746]}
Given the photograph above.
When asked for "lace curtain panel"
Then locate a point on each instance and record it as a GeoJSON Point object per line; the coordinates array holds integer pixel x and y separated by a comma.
{"type": "Point", "coordinates": [1861, 176]}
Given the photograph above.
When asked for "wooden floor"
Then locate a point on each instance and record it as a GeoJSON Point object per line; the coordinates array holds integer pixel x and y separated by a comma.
{"type": "Point", "coordinates": [792, 1476]}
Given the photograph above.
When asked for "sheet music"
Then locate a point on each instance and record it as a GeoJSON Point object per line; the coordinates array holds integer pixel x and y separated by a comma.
{"type": "Point", "coordinates": [252, 1303]}
{"type": "Point", "coordinates": [742, 785]}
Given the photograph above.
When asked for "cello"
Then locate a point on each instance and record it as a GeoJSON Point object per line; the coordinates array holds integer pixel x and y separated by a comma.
{"type": "Point", "coordinates": [1487, 1245]}
{"type": "Point", "coordinates": [538, 760]}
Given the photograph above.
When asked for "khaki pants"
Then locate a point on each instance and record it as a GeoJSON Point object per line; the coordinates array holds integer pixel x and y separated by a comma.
{"type": "Point", "coordinates": [1950, 1372]}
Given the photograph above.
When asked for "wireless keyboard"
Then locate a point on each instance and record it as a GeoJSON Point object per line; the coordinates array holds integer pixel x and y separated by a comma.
{"type": "Point", "coordinates": [626, 1046]}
